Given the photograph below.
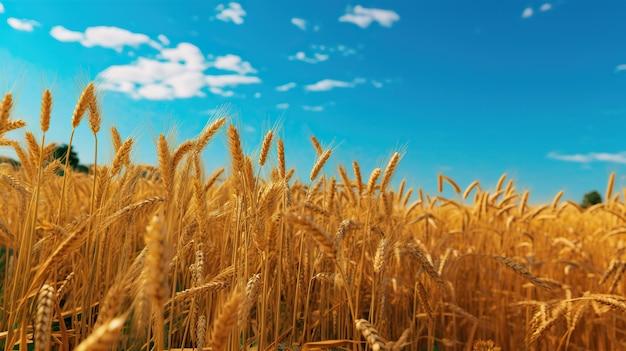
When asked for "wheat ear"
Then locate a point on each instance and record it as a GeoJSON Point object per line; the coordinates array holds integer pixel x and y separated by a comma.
{"type": "Point", "coordinates": [316, 144]}
{"type": "Point", "coordinates": [104, 337]}
{"type": "Point", "coordinates": [375, 341]}
{"type": "Point", "coordinates": [320, 236]}
{"type": "Point", "coordinates": [265, 147]}
{"type": "Point", "coordinates": [156, 265]}
{"type": "Point", "coordinates": [609, 187]}
{"type": "Point", "coordinates": [43, 323]}
{"type": "Point", "coordinates": [391, 167]}
{"type": "Point", "coordinates": [281, 159]}
{"type": "Point", "coordinates": [83, 103]}
{"type": "Point", "coordinates": [226, 320]}
{"type": "Point", "coordinates": [371, 184]}
{"type": "Point", "coordinates": [522, 271]}
{"type": "Point", "coordinates": [321, 160]}
{"type": "Point", "coordinates": [116, 138]}
{"type": "Point", "coordinates": [5, 110]}
{"type": "Point", "coordinates": [469, 189]}
{"type": "Point", "coordinates": [46, 108]}
{"type": "Point", "coordinates": [208, 133]}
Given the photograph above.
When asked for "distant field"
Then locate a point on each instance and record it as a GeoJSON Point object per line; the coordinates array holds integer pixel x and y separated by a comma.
{"type": "Point", "coordinates": [135, 257]}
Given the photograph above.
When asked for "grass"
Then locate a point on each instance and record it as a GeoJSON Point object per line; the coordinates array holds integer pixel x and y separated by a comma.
{"type": "Point", "coordinates": [139, 257]}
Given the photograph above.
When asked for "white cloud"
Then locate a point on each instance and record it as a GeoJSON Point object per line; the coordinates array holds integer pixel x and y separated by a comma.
{"type": "Point", "coordinates": [528, 12]}
{"type": "Point", "coordinates": [186, 84]}
{"type": "Point", "coordinates": [105, 36]}
{"type": "Point", "coordinates": [545, 7]}
{"type": "Point", "coordinates": [590, 157]}
{"type": "Point", "coordinates": [299, 22]}
{"type": "Point", "coordinates": [233, 63]}
{"type": "Point", "coordinates": [301, 56]}
{"type": "Point", "coordinates": [328, 84]}
{"type": "Point", "coordinates": [230, 80]}
{"type": "Point", "coordinates": [175, 73]}
{"type": "Point", "coordinates": [621, 67]}
{"type": "Point", "coordinates": [163, 39]}
{"type": "Point", "coordinates": [62, 34]}
{"type": "Point", "coordinates": [320, 57]}
{"type": "Point", "coordinates": [363, 17]}
{"type": "Point", "coordinates": [286, 87]}
{"type": "Point", "coordinates": [24, 25]}
{"type": "Point", "coordinates": [1, 8]}
{"type": "Point", "coordinates": [282, 106]}
{"type": "Point", "coordinates": [377, 84]}
{"type": "Point", "coordinates": [156, 92]}
{"type": "Point", "coordinates": [313, 108]}
{"type": "Point", "coordinates": [257, 95]}
{"type": "Point", "coordinates": [234, 13]}
{"type": "Point", "coordinates": [220, 91]}
{"type": "Point", "coordinates": [186, 53]}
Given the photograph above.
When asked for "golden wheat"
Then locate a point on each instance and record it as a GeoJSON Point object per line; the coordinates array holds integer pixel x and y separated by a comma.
{"type": "Point", "coordinates": [243, 258]}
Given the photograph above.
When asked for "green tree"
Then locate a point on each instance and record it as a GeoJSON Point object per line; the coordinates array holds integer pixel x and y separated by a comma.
{"type": "Point", "coordinates": [12, 162]}
{"type": "Point", "coordinates": [61, 153]}
{"type": "Point", "coordinates": [591, 199]}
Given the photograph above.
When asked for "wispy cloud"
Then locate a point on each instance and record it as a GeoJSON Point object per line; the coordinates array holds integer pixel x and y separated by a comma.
{"type": "Point", "coordinates": [233, 63]}
{"type": "Point", "coordinates": [177, 73]}
{"type": "Point", "coordinates": [282, 106]}
{"type": "Point", "coordinates": [24, 25]}
{"type": "Point", "coordinates": [301, 56]}
{"type": "Point", "coordinates": [340, 49]}
{"type": "Point", "coordinates": [363, 17]}
{"type": "Point", "coordinates": [230, 80]}
{"type": "Point", "coordinates": [328, 84]}
{"type": "Point", "coordinates": [286, 87]}
{"type": "Point", "coordinates": [545, 7]}
{"type": "Point", "coordinates": [1, 8]}
{"type": "Point", "coordinates": [527, 13]}
{"type": "Point", "coordinates": [105, 36]}
{"type": "Point", "coordinates": [313, 108]}
{"type": "Point", "coordinates": [621, 67]}
{"type": "Point", "coordinates": [619, 157]}
{"type": "Point", "coordinates": [163, 39]}
{"type": "Point", "coordinates": [299, 22]}
{"type": "Point", "coordinates": [233, 13]}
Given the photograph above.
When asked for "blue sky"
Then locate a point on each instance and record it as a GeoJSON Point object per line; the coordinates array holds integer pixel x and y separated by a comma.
{"type": "Point", "coordinates": [536, 89]}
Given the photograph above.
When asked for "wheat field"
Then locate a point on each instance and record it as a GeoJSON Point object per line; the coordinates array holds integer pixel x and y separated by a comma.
{"type": "Point", "coordinates": [166, 257]}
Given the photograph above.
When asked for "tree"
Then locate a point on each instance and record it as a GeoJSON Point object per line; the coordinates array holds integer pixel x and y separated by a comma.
{"type": "Point", "coordinates": [61, 152]}
{"type": "Point", "coordinates": [591, 199]}
{"type": "Point", "coordinates": [12, 162]}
